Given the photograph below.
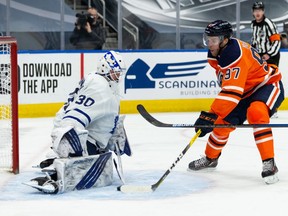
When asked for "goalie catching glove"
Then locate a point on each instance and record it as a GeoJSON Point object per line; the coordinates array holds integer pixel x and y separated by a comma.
{"type": "Point", "coordinates": [205, 118]}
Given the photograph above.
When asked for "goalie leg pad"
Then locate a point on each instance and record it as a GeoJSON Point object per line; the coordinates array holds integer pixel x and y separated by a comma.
{"type": "Point", "coordinates": [84, 172]}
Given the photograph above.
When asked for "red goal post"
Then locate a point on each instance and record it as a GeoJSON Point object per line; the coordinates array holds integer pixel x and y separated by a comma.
{"type": "Point", "coordinates": [9, 129]}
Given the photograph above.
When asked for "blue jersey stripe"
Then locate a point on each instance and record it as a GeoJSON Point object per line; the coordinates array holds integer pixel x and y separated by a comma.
{"type": "Point", "coordinates": [77, 118]}
{"type": "Point", "coordinates": [85, 114]}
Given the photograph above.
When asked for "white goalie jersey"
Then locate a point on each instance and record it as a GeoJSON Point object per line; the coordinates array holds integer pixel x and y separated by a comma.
{"type": "Point", "coordinates": [94, 106]}
{"type": "Point", "coordinates": [86, 131]}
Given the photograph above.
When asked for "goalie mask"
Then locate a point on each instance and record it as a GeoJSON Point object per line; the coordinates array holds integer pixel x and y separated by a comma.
{"type": "Point", "coordinates": [216, 31]}
{"type": "Point", "coordinates": [112, 66]}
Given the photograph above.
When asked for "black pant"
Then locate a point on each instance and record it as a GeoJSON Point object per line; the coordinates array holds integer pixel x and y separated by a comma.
{"type": "Point", "coordinates": [273, 59]}
{"type": "Point", "coordinates": [92, 149]}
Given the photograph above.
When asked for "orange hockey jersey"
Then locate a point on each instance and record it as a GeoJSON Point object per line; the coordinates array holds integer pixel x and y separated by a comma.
{"type": "Point", "coordinates": [240, 72]}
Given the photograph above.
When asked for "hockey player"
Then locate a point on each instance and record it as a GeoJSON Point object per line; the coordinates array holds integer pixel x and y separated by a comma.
{"type": "Point", "coordinates": [87, 129]}
{"type": "Point", "coordinates": [250, 90]}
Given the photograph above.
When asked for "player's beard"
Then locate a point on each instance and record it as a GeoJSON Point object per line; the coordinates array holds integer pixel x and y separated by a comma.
{"type": "Point", "coordinates": [215, 52]}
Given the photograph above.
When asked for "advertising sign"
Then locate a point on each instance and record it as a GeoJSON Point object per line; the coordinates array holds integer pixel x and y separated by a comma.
{"type": "Point", "coordinates": [170, 76]}
{"type": "Point", "coordinates": [46, 78]}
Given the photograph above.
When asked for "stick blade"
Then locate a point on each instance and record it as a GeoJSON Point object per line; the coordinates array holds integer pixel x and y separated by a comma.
{"type": "Point", "coordinates": [146, 115]}
{"type": "Point", "coordinates": [135, 189]}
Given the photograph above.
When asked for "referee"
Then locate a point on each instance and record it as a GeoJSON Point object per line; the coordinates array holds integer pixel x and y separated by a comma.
{"type": "Point", "coordinates": [266, 38]}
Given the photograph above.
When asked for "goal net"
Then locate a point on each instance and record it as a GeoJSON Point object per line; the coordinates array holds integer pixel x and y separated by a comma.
{"type": "Point", "coordinates": [9, 149]}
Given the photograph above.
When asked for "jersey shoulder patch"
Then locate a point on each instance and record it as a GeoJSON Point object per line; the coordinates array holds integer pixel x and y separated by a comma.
{"type": "Point", "coordinates": [230, 54]}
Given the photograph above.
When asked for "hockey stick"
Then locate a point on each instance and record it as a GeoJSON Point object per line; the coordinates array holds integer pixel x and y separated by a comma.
{"type": "Point", "coordinates": [146, 115]}
{"type": "Point", "coordinates": [120, 170]}
{"type": "Point", "coordinates": [153, 187]}
{"type": "Point", "coordinates": [120, 175]}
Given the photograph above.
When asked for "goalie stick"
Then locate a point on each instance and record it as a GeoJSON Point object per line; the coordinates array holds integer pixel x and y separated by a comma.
{"type": "Point", "coordinates": [120, 174]}
{"type": "Point", "coordinates": [150, 188]}
{"type": "Point", "coordinates": [146, 115]}
{"type": "Point", "coordinates": [119, 169]}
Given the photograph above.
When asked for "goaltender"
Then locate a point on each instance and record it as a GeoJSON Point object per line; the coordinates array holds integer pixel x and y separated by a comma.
{"type": "Point", "coordinates": [87, 129]}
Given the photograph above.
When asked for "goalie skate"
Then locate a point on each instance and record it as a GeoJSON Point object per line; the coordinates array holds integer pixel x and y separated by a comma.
{"type": "Point", "coordinates": [43, 184]}
{"type": "Point", "coordinates": [44, 163]}
{"type": "Point", "coordinates": [49, 189]}
{"type": "Point", "coordinates": [49, 171]}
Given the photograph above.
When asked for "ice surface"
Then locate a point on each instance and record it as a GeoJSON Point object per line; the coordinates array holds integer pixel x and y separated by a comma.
{"type": "Point", "coordinates": [234, 188]}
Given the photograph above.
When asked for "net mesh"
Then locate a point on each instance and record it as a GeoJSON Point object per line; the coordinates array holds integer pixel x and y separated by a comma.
{"type": "Point", "coordinates": [5, 107]}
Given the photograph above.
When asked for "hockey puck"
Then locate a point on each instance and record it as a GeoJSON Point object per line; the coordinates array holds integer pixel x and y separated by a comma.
{"type": "Point", "coordinates": [119, 188]}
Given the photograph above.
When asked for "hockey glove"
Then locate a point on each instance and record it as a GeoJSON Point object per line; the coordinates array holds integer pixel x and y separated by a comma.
{"type": "Point", "coordinates": [119, 138]}
{"type": "Point", "coordinates": [205, 118]}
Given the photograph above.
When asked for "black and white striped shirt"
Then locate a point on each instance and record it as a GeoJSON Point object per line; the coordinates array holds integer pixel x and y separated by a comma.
{"type": "Point", "coordinates": [262, 40]}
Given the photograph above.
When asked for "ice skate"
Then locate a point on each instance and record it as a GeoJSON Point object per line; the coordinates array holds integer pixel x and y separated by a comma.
{"type": "Point", "coordinates": [203, 163]}
{"type": "Point", "coordinates": [44, 184]}
{"type": "Point", "coordinates": [269, 173]}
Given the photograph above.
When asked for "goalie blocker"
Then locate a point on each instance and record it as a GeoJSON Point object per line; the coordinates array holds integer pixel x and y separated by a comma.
{"type": "Point", "coordinates": [75, 173]}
